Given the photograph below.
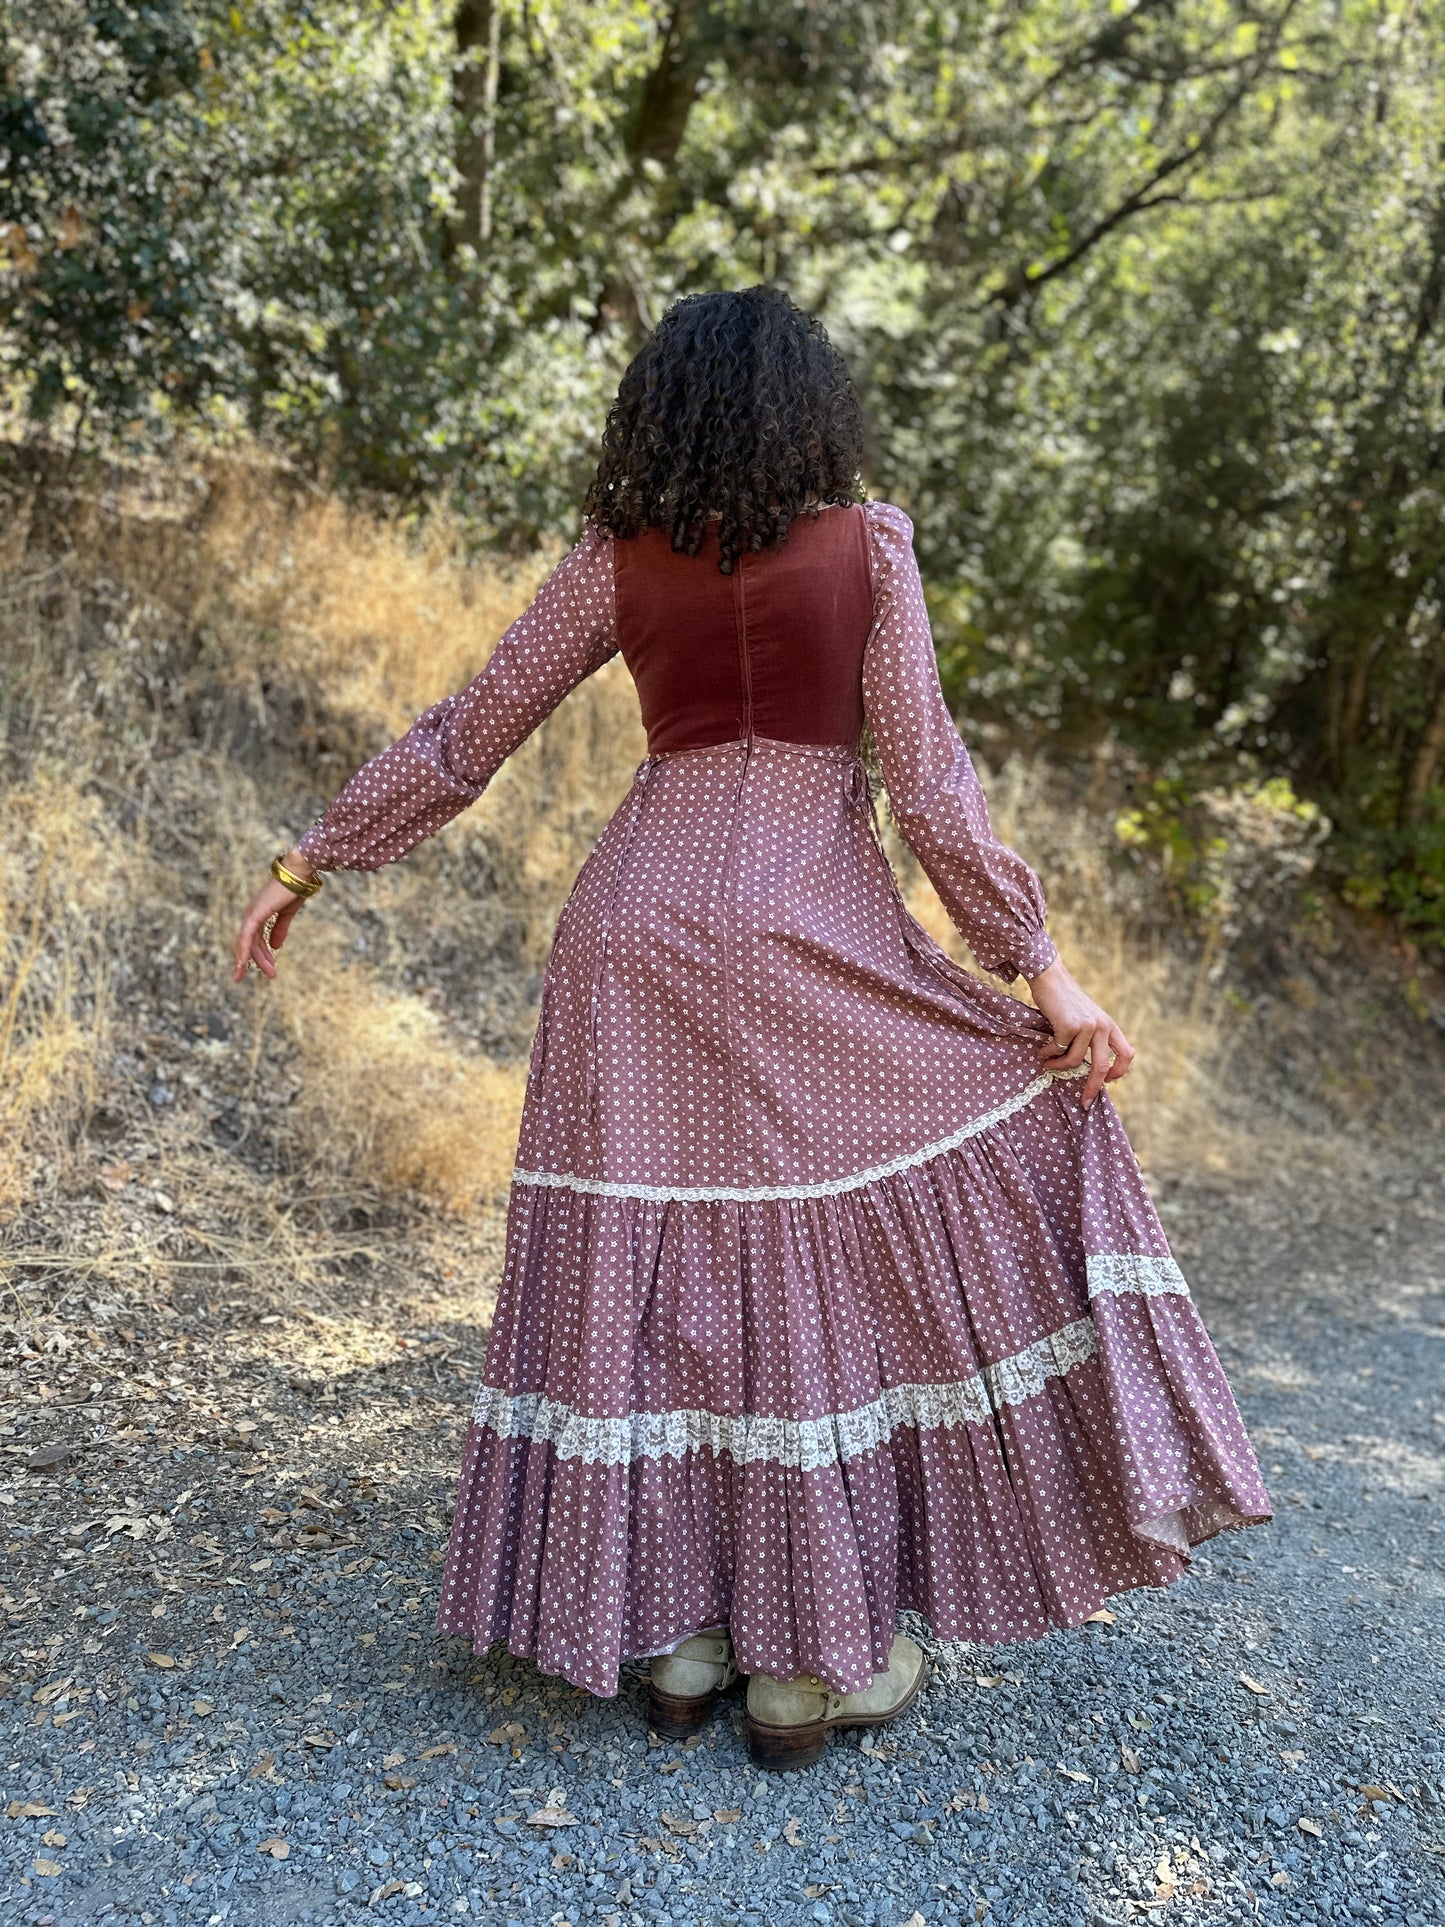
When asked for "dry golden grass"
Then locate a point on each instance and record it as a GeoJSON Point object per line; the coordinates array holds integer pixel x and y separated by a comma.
{"type": "Point", "coordinates": [307, 621]}
{"type": "Point", "coordinates": [292, 601]}
{"type": "Point", "coordinates": [63, 882]}
{"type": "Point", "coordinates": [386, 1100]}
{"type": "Point", "coordinates": [371, 620]}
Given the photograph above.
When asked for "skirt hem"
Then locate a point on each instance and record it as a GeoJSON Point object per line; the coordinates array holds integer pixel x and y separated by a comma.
{"type": "Point", "coordinates": [1055, 1622]}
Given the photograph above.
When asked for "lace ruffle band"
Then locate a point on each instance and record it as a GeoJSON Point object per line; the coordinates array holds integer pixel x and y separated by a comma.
{"type": "Point", "coordinates": [808, 1444]}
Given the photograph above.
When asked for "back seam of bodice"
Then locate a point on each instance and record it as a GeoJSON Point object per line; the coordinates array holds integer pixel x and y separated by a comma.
{"type": "Point", "coordinates": [740, 618]}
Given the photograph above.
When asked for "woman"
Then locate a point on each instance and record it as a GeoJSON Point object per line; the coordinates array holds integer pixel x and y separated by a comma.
{"type": "Point", "coordinates": [831, 1287]}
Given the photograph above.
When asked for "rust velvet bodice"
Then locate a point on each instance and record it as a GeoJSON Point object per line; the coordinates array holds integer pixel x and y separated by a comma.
{"type": "Point", "coordinates": [774, 649]}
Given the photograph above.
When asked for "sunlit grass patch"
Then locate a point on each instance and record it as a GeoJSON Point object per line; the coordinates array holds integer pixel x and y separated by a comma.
{"type": "Point", "coordinates": [65, 883]}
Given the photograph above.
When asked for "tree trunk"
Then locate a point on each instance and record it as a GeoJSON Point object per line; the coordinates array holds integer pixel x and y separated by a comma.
{"type": "Point", "coordinates": [477, 26]}
{"type": "Point", "coordinates": [656, 135]}
{"type": "Point", "coordinates": [1425, 765]}
{"type": "Point", "coordinates": [1357, 688]}
{"type": "Point", "coordinates": [671, 89]}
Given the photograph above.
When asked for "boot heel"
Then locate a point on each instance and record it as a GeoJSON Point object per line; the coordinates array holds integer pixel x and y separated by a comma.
{"type": "Point", "coordinates": [783, 1749]}
{"type": "Point", "coordinates": [675, 1718]}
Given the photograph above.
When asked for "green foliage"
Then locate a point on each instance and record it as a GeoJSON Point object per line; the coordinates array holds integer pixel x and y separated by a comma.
{"type": "Point", "coordinates": [1144, 304]}
{"type": "Point", "coordinates": [1159, 823]}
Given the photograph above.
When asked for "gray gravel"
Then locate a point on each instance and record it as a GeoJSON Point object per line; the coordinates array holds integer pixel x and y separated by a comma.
{"type": "Point", "coordinates": [314, 1755]}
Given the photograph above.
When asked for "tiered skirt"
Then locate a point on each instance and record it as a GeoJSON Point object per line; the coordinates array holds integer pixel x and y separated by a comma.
{"type": "Point", "coordinates": [820, 1300]}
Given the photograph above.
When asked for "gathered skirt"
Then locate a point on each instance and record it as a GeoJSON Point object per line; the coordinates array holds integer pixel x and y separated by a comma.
{"type": "Point", "coordinates": [819, 1300]}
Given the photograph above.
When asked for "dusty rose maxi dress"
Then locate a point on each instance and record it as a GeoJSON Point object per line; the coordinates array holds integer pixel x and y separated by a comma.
{"type": "Point", "coordinates": [819, 1300]}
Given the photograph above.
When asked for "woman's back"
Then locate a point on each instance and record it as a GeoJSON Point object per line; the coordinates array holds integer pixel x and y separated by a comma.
{"type": "Point", "coordinates": [774, 649]}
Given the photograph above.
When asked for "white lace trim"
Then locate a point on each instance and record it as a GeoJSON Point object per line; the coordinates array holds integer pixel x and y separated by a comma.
{"type": "Point", "coordinates": [1113, 1273]}
{"type": "Point", "coordinates": [804, 1444]}
{"type": "Point", "coordinates": [782, 1193]}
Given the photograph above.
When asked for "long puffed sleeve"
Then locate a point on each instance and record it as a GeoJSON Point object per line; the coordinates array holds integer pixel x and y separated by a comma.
{"type": "Point", "coordinates": [449, 755]}
{"type": "Point", "coordinates": [990, 893]}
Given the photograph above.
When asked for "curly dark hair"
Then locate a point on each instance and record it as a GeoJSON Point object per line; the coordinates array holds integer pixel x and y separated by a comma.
{"type": "Point", "coordinates": [737, 406]}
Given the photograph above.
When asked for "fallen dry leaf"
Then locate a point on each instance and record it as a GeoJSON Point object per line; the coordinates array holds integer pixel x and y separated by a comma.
{"type": "Point", "coordinates": [394, 1759]}
{"type": "Point", "coordinates": [1280, 1879]}
{"type": "Point", "coordinates": [509, 1735]}
{"type": "Point", "coordinates": [1254, 1686]}
{"type": "Point", "coordinates": [1103, 1617]}
{"type": "Point", "coordinates": [161, 1659]}
{"type": "Point", "coordinates": [677, 1823]}
{"type": "Point", "coordinates": [1292, 1759]}
{"type": "Point", "coordinates": [1312, 1828]}
{"type": "Point", "coordinates": [727, 1816]}
{"type": "Point", "coordinates": [1073, 1773]}
{"type": "Point", "coordinates": [988, 1679]}
{"type": "Point", "coordinates": [793, 1833]}
{"type": "Point", "coordinates": [398, 1782]}
{"type": "Point", "coordinates": [263, 1766]}
{"type": "Point", "coordinates": [50, 1838]}
{"type": "Point", "coordinates": [203, 1708]}
{"type": "Point", "coordinates": [436, 1752]}
{"type": "Point", "coordinates": [1128, 1759]}
{"type": "Point", "coordinates": [278, 1849]}
{"type": "Point", "coordinates": [28, 1810]}
{"type": "Point", "coordinates": [551, 1817]}
{"type": "Point", "coordinates": [386, 1890]}
{"type": "Point", "coordinates": [1375, 1792]}
{"type": "Point", "coordinates": [46, 1868]}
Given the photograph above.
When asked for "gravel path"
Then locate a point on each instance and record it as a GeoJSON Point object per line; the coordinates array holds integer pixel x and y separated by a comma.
{"type": "Point", "coordinates": [224, 1702]}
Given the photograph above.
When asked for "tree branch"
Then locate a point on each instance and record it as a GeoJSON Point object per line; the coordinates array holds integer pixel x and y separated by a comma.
{"type": "Point", "coordinates": [1024, 281]}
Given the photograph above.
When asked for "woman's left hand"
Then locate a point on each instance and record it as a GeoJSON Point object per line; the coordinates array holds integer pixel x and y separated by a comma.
{"type": "Point", "coordinates": [1081, 1029]}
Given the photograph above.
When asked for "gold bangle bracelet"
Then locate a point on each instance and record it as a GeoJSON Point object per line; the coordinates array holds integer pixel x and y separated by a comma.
{"type": "Point", "coordinates": [288, 879]}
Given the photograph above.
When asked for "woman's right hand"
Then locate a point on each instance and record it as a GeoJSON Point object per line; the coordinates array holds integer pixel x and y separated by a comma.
{"type": "Point", "coordinates": [273, 903]}
{"type": "Point", "coordinates": [1081, 1029]}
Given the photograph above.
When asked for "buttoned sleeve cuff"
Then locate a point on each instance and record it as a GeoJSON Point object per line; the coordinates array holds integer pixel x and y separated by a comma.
{"type": "Point", "coordinates": [1038, 953]}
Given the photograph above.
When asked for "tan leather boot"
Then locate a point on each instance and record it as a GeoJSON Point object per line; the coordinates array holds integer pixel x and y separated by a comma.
{"type": "Point", "coordinates": [789, 1720]}
{"type": "Point", "coordinates": [686, 1684]}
